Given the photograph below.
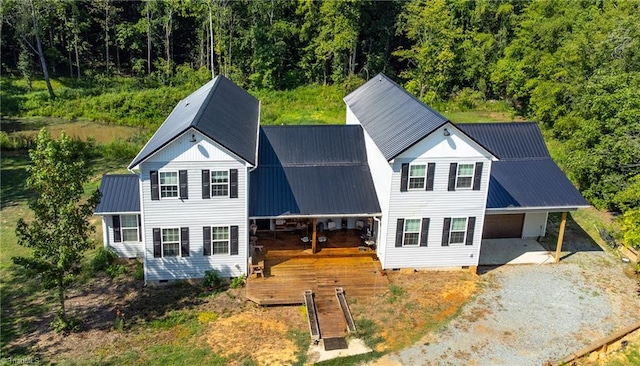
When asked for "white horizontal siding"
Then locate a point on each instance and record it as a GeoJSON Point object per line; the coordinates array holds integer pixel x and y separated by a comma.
{"type": "Point", "coordinates": [124, 250]}
{"type": "Point", "coordinates": [437, 204]}
{"type": "Point", "coordinates": [381, 172]}
{"type": "Point", "coordinates": [182, 149]}
{"type": "Point", "coordinates": [194, 213]}
{"type": "Point", "coordinates": [456, 145]}
{"type": "Point", "coordinates": [535, 225]}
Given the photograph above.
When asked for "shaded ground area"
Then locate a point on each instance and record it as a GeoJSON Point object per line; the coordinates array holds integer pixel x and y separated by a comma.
{"type": "Point", "coordinates": [528, 314]}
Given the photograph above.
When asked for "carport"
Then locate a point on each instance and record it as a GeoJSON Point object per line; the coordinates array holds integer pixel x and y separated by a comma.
{"type": "Point", "coordinates": [524, 187]}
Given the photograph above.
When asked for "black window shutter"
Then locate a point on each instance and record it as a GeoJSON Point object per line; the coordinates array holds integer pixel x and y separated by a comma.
{"type": "Point", "coordinates": [182, 179]}
{"type": "Point", "coordinates": [234, 241]}
{"type": "Point", "coordinates": [445, 231]}
{"type": "Point", "coordinates": [139, 228]}
{"type": "Point", "coordinates": [206, 240]}
{"type": "Point", "coordinates": [453, 170]}
{"type": "Point", "coordinates": [155, 189]}
{"type": "Point", "coordinates": [424, 232]}
{"type": "Point", "coordinates": [477, 176]}
{"type": "Point", "coordinates": [206, 191]}
{"type": "Point", "coordinates": [117, 234]}
{"type": "Point", "coordinates": [471, 225]}
{"type": "Point", "coordinates": [404, 178]}
{"type": "Point", "coordinates": [184, 241]}
{"type": "Point", "coordinates": [233, 180]}
{"type": "Point", "coordinates": [431, 171]}
{"type": "Point", "coordinates": [399, 232]}
{"type": "Point", "coordinates": [157, 243]}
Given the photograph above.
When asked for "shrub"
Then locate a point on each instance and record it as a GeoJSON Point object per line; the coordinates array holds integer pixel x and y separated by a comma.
{"type": "Point", "coordinates": [237, 282]}
{"type": "Point", "coordinates": [212, 279]}
{"type": "Point", "coordinates": [61, 325]}
{"type": "Point", "coordinates": [138, 274]}
{"type": "Point", "coordinates": [103, 259]}
{"type": "Point", "coordinates": [116, 270]}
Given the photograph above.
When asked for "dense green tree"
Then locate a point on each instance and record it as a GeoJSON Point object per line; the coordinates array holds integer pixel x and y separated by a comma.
{"type": "Point", "coordinates": [430, 59]}
{"type": "Point", "coordinates": [337, 41]}
{"type": "Point", "coordinates": [59, 233]}
{"type": "Point", "coordinates": [27, 17]}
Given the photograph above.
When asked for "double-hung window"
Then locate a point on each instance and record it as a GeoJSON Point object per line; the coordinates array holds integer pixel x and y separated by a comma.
{"type": "Point", "coordinates": [411, 232]}
{"type": "Point", "coordinates": [220, 239]}
{"type": "Point", "coordinates": [458, 231]}
{"type": "Point", "coordinates": [417, 176]}
{"type": "Point", "coordinates": [168, 184]}
{"type": "Point", "coordinates": [464, 177]}
{"type": "Point", "coordinates": [219, 183]}
{"type": "Point", "coordinates": [171, 242]}
{"type": "Point", "coordinates": [129, 228]}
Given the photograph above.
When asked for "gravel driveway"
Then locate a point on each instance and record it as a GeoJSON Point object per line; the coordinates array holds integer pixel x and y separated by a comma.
{"type": "Point", "coordinates": [528, 314]}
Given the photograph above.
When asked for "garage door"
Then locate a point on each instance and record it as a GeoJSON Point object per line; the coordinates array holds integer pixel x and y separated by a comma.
{"type": "Point", "coordinates": [502, 226]}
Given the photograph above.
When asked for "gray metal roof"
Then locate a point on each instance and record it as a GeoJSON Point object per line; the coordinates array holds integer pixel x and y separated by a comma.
{"type": "Point", "coordinates": [120, 194]}
{"type": "Point", "coordinates": [220, 110]}
{"type": "Point", "coordinates": [537, 183]}
{"type": "Point", "coordinates": [312, 170]}
{"type": "Point", "coordinates": [514, 140]}
{"type": "Point", "coordinates": [394, 119]}
{"type": "Point", "coordinates": [525, 176]}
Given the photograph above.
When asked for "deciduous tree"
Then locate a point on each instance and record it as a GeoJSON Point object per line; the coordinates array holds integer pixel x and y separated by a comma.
{"type": "Point", "coordinates": [60, 231]}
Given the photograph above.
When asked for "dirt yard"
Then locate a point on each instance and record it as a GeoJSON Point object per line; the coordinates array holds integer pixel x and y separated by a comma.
{"type": "Point", "coordinates": [226, 324]}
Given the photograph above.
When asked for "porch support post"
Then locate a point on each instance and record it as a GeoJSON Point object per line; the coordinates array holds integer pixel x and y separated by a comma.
{"type": "Point", "coordinates": [313, 236]}
{"type": "Point", "coordinates": [563, 223]}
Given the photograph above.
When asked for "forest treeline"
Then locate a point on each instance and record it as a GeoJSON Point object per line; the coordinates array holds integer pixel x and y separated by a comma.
{"type": "Point", "coordinates": [574, 66]}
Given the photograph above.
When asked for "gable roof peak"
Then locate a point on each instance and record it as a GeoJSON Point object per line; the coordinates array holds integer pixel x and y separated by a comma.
{"type": "Point", "coordinates": [394, 118]}
{"type": "Point", "coordinates": [220, 110]}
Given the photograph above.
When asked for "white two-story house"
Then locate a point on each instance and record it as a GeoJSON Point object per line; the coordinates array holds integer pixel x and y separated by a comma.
{"type": "Point", "coordinates": [428, 190]}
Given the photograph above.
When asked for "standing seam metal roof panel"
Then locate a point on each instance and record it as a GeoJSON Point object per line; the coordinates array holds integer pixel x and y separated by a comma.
{"type": "Point", "coordinates": [394, 118]}
{"type": "Point", "coordinates": [120, 193]}
{"type": "Point", "coordinates": [220, 110]}
{"type": "Point", "coordinates": [525, 176]}
{"type": "Point", "coordinates": [514, 140]}
{"type": "Point", "coordinates": [312, 170]}
{"type": "Point", "coordinates": [531, 184]}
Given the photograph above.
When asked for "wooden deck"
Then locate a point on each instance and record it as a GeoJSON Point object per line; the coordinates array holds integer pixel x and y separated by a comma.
{"type": "Point", "coordinates": [286, 279]}
{"type": "Point", "coordinates": [290, 268]}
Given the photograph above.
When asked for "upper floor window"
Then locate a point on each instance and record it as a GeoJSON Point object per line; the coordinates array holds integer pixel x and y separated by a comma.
{"type": "Point", "coordinates": [219, 183]}
{"type": "Point", "coordinates": [129, 227]}
{"type": "Point", "coordinates": [411, 232]}
{"type": "Point", "coordinates": [169, 184]}
{"type": "Point", "coordinates": [417, 175]}
{"type": "Point", "coordinates": [464, 178]}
